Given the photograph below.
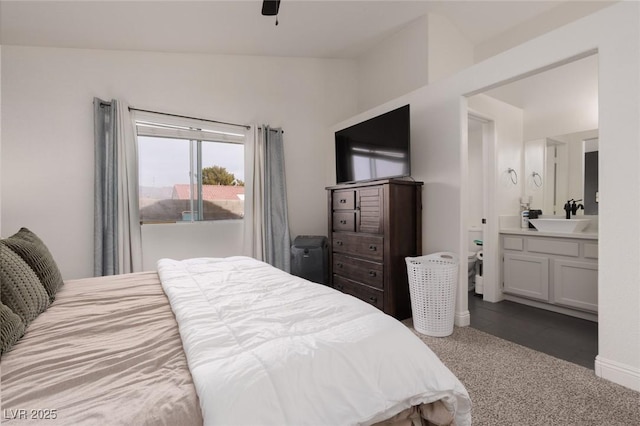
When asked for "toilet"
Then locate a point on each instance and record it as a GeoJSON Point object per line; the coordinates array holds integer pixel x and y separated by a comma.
{"type": "Point", "coordinates": [474, 233]}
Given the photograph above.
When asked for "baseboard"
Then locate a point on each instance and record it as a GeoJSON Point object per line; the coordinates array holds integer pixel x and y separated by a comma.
{"type": "Point", "coordinates": [553, 308]}
{"type": "Point", "coordinates": [462, 319]}
{"type": "Point", "coordinates": [616, 372]}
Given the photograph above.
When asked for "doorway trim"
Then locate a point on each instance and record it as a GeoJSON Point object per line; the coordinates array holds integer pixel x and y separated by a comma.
{"type": "Point", "coordinates": [491, 272]}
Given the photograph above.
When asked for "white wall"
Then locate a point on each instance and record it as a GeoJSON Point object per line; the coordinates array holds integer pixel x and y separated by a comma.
{"type": "Point", "coordinates": [475, 175]}
{"type": "Point", "coordinates": [425, 50]}
{"type": "Point", "coordinates": [509, 144]}
{"type": "Point", "coordinates": [449, 51]}
{"type": "Point", "coordinates": [561, 15]}
{"type": "Point", "coordinates": [395, 66]}
{"type": "Point", "coordinates": [534, 161]}
{"type": "Point", "coordinates": [47, 118]}
{"type": "Point", "coordinates": [0, 139]}
{"type": "Point", "coordinates": [563, 100]}
{"type": "Point", "coordinates": [438, 114]}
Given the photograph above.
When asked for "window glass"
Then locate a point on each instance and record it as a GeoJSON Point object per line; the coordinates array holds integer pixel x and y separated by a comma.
{"type": "Point", "coordinates": [222, 181]}
{"type": "Point", "coordinates": [189, 180]}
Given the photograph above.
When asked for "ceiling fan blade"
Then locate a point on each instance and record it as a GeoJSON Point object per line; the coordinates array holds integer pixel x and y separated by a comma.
{"type": "Point", "coordinates": [270, 7]}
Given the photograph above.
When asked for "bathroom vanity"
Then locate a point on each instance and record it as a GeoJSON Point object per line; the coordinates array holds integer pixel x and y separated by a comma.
{"type": "Point", "coordinates": [554, 271]}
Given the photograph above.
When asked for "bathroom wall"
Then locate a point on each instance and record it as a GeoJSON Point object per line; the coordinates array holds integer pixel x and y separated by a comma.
{"type": "Point", "coordinates": [476, 175]}
{"type": "Point", "coordinates": [508, 147]}
{"type": "Point", "coordinates": [534, 154]}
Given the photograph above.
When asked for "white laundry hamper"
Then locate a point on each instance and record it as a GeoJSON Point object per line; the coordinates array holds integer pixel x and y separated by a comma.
{"type": "Point", "coordinates": [433, 280]}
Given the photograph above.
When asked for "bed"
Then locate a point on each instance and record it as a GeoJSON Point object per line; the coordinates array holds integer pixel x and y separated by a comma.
{"type": "Point", "coordinates": [221, 341]}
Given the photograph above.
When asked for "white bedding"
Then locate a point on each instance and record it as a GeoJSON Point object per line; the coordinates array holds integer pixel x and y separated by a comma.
{"type": "Point", "coordinates": [265, 347]}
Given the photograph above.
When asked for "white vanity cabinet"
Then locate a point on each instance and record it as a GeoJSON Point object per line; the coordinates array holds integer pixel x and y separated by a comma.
{"type": "Point", "coordinates": [561, 272]}
{"type": "Point", "coordinates": [526, 276]}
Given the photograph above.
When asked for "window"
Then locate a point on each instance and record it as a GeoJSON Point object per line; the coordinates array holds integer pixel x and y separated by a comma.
{"type": "Point", "coordinates": [189, 170]}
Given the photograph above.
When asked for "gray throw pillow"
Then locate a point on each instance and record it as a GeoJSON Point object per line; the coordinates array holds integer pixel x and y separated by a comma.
{"type": "Point", "coordinates": [20, 288]}
{"type": "Point", "coordinates": [31, 248]}
{"type": "Point", "coordinates": [11, 328]}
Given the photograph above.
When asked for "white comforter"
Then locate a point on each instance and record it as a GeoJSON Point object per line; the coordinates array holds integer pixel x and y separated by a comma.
{"type": "Point", "coordinates": [268, 348]}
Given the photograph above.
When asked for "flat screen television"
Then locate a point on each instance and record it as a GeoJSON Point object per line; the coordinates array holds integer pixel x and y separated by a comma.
{"type": "Point", "coordinates": [374, 149]}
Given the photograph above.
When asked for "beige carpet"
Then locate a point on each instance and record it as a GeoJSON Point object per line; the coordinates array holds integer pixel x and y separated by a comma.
{"type": "Point", "coordinates": [510, 384]}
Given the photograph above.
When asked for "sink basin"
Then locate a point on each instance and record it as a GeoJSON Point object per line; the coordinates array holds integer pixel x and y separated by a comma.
{"type": "Point", "coordinates": [566, 226]}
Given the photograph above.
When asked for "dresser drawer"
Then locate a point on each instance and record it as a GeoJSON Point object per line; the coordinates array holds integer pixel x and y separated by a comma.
{"type": "Point", "coordinates": [361, 291]}
{"type": "Point", "coordinates": [344, 221]}
{"type": "Point", "coordinates": [364, 271]}
{"type": "Point", "coordinates": [367, 246]}
{"type": "Point", "coordinates": [344, 200]}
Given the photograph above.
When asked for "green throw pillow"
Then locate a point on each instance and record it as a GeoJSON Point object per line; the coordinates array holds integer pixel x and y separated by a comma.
{"type": "Point", "coordinates": [11, 328]}
{"type": "Point", "coordinates": [20, 288]}
{"type": "Point", "coordinates": [31, 248]}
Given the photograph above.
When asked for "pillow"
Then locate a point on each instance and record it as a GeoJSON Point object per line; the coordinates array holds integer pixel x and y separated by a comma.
{"type": "Point", "coordinates": [11, 328]}
{"type": "Point", "coordinates": [20, 288]}
{"type": "Point", "coordinates": [31, 248]}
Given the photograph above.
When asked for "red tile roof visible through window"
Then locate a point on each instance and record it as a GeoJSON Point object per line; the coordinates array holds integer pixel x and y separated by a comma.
{"type": "Point", "coordinates": [210, 192]}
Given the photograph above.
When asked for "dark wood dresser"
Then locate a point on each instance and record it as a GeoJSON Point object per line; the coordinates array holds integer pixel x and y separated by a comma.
{"type": "Point", "coordinates": [373, 226]}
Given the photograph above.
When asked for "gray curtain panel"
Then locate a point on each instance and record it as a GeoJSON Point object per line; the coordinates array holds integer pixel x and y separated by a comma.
{"type": "Point", "coordinates": [105, 198]}
{"type": "Point", "coordinates": [276, 221]}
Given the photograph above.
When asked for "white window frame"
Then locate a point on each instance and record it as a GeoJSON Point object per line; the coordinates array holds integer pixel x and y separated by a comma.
{"type": "Point", "coordinates": [196, 131]}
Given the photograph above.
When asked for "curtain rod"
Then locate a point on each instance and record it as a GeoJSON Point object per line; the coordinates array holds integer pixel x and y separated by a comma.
{"type": "Point", "coordinates": [192, 118]}
{"type": "Point", "coordinates": [272, 130]}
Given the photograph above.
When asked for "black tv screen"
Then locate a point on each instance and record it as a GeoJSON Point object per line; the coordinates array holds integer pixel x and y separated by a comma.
{"type": "Point", "coordinates": [374, 149]}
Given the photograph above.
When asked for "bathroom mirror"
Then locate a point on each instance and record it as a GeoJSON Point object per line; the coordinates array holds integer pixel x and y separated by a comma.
{"type": "Point", "coordinates": [562, 167]}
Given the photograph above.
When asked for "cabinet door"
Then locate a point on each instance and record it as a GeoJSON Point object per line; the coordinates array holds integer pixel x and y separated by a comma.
{"type": "Point", "coordinates": [575, 284]}
{"type": "Point", "coordinates": [369, 206]}
{"type": "Point", "coordinates": [526, 276]}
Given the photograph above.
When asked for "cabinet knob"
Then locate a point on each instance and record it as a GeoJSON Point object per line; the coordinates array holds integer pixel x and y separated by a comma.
{"type": "Point", "coordinates": [344, 222]}
{"type": "Point", "coordinates": [338, 242]}
{"type": "Point", "coordinates": [373, 299]}
{"type": "Point", "coordinates": [339, 265]}
{"type": "Point", "coordinates": [372, 273]}
{"type": "Point", "coordinates": [372, 247]}
{"type": "Point", "coordinates": [342, 201]}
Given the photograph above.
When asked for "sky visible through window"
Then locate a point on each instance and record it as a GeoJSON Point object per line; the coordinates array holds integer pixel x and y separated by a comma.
{"type": "Point", "coordinates": [164, 162]}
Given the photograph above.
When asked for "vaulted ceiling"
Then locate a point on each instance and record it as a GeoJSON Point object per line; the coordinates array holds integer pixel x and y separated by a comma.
{"type": "Point", "coordinates": [307, 28]}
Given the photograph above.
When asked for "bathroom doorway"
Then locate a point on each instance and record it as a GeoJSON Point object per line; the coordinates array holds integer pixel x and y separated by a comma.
{"type": "Point", "coordinates": [480, 211]}
{"type": "Point", "coordinates": [560, 103]}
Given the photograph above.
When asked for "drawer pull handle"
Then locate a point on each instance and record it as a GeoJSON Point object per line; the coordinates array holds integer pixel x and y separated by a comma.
{"type": "Point", "coordinates": [339, 286]}
{"type": "Point", "coordinates": [373, 299]}
{"type": "Point", "coordinates": [339, 265]}
{"type": "Point", "coordinates": [372, 273]}
{"type": "Point", "coordinates": [338, 243]}
{"type": "Point", "coordinates": [373, 247]}
{"type": "Point", "coordinates": [344, 222]}
{"type": "Point", "coordinates": [343, 201]}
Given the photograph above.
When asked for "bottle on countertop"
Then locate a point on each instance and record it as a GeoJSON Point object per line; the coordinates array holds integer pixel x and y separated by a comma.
{"type": "Point", "coordinates": [524, 219]}
{"type": "Point", "coordinates": [525, 202]}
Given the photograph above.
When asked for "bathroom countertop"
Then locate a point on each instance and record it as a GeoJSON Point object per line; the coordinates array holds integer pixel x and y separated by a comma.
{"type": "Point", "coordinates": [534, 232]}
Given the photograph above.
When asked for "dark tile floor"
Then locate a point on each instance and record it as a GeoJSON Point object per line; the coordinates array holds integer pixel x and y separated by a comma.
{"type": "Point", "coordinates": [561, 336]}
